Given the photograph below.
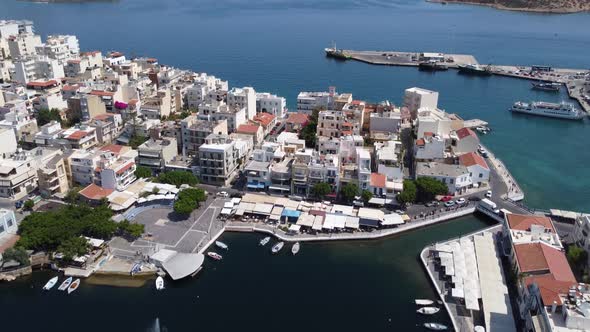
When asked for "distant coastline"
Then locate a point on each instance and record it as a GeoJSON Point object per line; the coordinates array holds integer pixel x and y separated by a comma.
{"type": "Point", "coordinates": [585, 7]}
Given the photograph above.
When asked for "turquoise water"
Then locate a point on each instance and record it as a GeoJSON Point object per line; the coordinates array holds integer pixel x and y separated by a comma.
{"type": "Point", "coordinates": [277, 46]}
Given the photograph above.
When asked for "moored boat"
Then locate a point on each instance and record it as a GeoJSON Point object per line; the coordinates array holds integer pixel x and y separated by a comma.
{"type": "Point", "coordinates": [159, 283]}
{"type": "Point", "coordinates": [221, 245]}
{"type": "Point", "coordinates": [562, 110]}
{"type": "Point", "coordinates": [336, 53]}
{"type": "Point", "coordinates": [546, 86]}
{"type": "Point", "coordinates": [423, 302]}
{"type": "Point", "coordinates": [428, 310]}
{"type": "Point", "coordinates": [49, 285]}
{"type": "Point", "coordinates": [64, 285]}
{"type": "Point", "coordinates": [264, 241]}
{"type": "Point", "coordinates": [295, 248]}
{"type": "Point", "coordinates": [73, 286]}
{"type": "Point", "coordinates": [432, 66]}
{"type": "Point", "coordinates": [215, 255]}
{"type": "Point", "coordinates": [277, 247]}
{"type": "Point", "coordinates": [435, 326]}
{"type": "Point", "coordinates": [474, 69]}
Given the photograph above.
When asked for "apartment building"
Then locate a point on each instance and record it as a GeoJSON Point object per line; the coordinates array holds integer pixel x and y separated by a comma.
{"type": "Point", "coordinates": [273, 104]}
{"type": "Point", "coordinates": [307, 102]}
{"type": "Point", "coordinates": [330, 123]}
{"type": "Point", "coordinates": [22, 123]}
{"type": "Point", "coordinates": [434, 121]}
{"type": "Point", "coordinates": [217, 160]}
{"type": "Point", "coordinates": [159, 106]}
{"type": "Point", "coordinates": [108, 126]}
{"type": "Point", "coordinates": [243, 98]}
{"type": "Point", "coordinates": [53, 179]}
{"type": "Point", "coordinates": [78, 137]}
{"type": "Point", "coordinates": [430, 148]}
{"type": "Point", "coordinates": [18, 173]}
{"type": "Point", "coordinates": [217, 111]}
{"type": "Point", "coordinates": [195, 131]}
{"type": "Point", "coordinates": [456, 177]}
{"type": "Point", "coordinates": [60, 47]}
{"type": "Point", "coordinates": [417, 98]}
{"type": "Point", "coordinates": [9, 145]}
{"type": "Point", "coordinates": [34, 68]}
{"type": "Point", "coordinates": [254, 130]}
{"type": "Point", "coordinates": [22, 45]}
{"type": "Point", "coordinates": [87, 62]}
{"type": "Point", "coordinates": [156, 153]}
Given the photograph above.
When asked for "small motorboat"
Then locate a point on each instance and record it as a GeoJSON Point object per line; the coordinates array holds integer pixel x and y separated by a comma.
{"type": "Point", "coordinates": [64, 285]}
{"type": "Point", "coordinates": [277, 247]}
{"type": "Point", "coordinates": [428, 310]}
{"type": "Point", "coordinates": [49, 285]}
{"type": "Point", "coordinates": [423, 302]}
{"type": "Point", "coordinates": [221, 245]}
{"type": "Point", "coordinates": [295, 248]}
{"type": "Point", "coordinates": [74, 286]}
{"type": "Point", "coordinates": [435, 326]}
{"type": "Point", "coordinates": [135, 269]}
{"type": "Point", "coordinates": [159, 283]}
{"type": "Point", "coordinates": [215, 255]}
{"type": "Point", "coordinates": [264, 241]}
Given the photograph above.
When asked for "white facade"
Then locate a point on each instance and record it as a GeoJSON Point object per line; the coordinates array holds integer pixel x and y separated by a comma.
{"type": "Point", "coordinates": [37, 68]}
{"type": "Point", "coordinates": [273, 104]}
{"type": "Point", "coordinates": [330, 123]}
{"type": "Point", "coordinates": [387, 121]}
{"type": "Point", "coordinates": [308, 101]}
{"type": "Point", "coordinates": [50, 101]}
{"type": "Point", "coordinates": [9, 145]}
{"type": "Point", "coordinates": [60, 48]}
{"type": "Point", "coordinates": [7, 222]}
{"type": "Point", "coordinates": [456, 177]}
{"type": "Point", "coordinates": [240, 98]}
{"type": "Point", "coordinates": [364, 168]}
{"type": "Point", "coordinates": [220, 111]}
{"type": "Point", "coordinates": [416, 98]}
{"type": "Point", "coordinates": [434, 121]}
{"type": "Point", "coordinates": [23, 45]}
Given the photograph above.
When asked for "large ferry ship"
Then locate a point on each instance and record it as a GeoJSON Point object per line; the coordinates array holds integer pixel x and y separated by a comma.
{"type": "Point", "coordinates": [552, 110]}
{"type": "Point", "coordinates": [336, 53]}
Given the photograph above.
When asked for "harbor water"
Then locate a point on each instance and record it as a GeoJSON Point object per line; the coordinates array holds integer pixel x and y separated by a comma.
{"type": "Point", "coordinates": [277, 46]}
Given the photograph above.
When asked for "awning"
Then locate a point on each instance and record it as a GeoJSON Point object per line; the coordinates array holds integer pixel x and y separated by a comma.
{"type": "Point", "coordinates": [279, 188]}
{"type": "Point", "coordinates": [405, 217]}
{"type": "Point", "coordinates": [295, 228]}
{"type": "Point", "coordinates": [256, 185]}
{"type": "Point", "coordinates": [228, 205]}
{"type": "Point", "coordinates": [226, 211]}
{"type": "Point", "coordinates": [317, 223]}
{"type": "Point", "coordinates": [392, 219]}
{"type": "Point", "coordinates": [240, 212]}
{"type": "Point", "coordinates": [369, 222]}
{"type": "Point", "coordinates": [262, 208]}
{"type": "Point", "coordinates": [274, 217]}
{"type": "Point", "coordinates": [291, 213]}
{"type": "Point", "coordinates": [352, 222]}
{"type": "Point", "coordinates": [305, 220]}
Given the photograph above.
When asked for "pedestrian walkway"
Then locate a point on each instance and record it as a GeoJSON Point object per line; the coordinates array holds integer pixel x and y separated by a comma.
{"type": "Point", "coordinates": [513, 192]}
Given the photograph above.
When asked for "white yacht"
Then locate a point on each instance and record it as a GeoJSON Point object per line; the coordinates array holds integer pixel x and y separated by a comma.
{"type": "Point", "coordinates": [423, 302]}
{"type": "Point", "coordinates": [428, 310]}
{"type": "Point", "coordinates": [277, 247]}
{"type": "Point", "coordinates": [295, 248]}
{"type": "Point", "coordinates": [64, 285]}
{"type": "Point", "coordinates": [435, 326]}
{"type": "Point", "coordinates": [221, 245]}
{"type": "Point", "coordinates": [159, 283]}
{"type": "Point", "coordinates": [264, 241]}
{"type": "Point", "coordinates": [561, 111]}
{"type": "Point", "coordinates": [49, 285]}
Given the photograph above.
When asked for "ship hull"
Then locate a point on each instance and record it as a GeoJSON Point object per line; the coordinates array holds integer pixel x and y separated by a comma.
{"type": "Point", "coordinates": [579, 116]}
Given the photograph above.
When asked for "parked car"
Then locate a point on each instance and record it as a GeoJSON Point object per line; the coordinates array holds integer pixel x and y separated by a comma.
{"type": "Point", "coordinates": [446, 199]}
{"type": "Point", "coordinates": [223, 194]}
{"type": "Point", "coordinates": [431, 204]}
{"type": "Point", "coordinates": [449, 203]}
{"type": "Point", "coordinates": [236, 195]}
{"type": "Point", "coordinates": [461, 200]}
{"type": "Point", "coordinates": [489, 194]}
{"type": "Point", "coordinates": [474, 198]}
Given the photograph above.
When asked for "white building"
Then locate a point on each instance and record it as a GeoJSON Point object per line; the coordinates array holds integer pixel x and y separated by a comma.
{"type": "Point", "coordinates": [239, 98]}
{"type": "Point", "coordinates": [37, 68]}
{"type": "Point", "coordinates": [430, 148]}
{"type": "Point", "coordinates": [218, 160]}
{"type": "Point", "coordinates": [581, 233]}
{"type": "Point", "coordinates": [308, 101]}
{"type": "Point", "coordinates": [364, 168]}
{"type": "Point", "coordinates": [477, 167]}
{"type": "Point", "coordinates": [387, 158]}
{"type": "Point", "coordinates": [60, 48]}
{"type": "Point", "coordinates": [416, 98]}
{"type": "Point", "coordinates": [432, 120]}
{"type": "Point", "coordinates": [220, 111]}
{"type": "Point", "coordinates": [273, 104]}
{"type": "Point", "coordinates": [456, 177]}
{"type": "Point", "coordinates": [155, 154]}
{"type": "Point", "coordinates": [465, 140]}
{"type": "Point", "coordinates": [7, 223]}
{"type": "Point", "coordinates": [330, 123]}
{"type": "Point", "coordinates": [9, 145]}
{"type": "Point", "coordinates": [23, 45]}
{"type": "Point", "coordinates": [388, 121]}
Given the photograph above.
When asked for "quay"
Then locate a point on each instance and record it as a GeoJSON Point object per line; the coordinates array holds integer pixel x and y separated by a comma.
{"type": "Point", "coordinates": [474, 123]}
{"type": "Point", "coordinates": [575, 80]}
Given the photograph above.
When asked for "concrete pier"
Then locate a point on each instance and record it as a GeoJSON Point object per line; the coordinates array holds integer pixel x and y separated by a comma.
{"type": "Point", "coordinates": [574, 79]}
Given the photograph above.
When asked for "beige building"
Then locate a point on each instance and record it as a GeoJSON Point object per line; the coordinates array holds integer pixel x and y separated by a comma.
{"type": "Point", "coordinates": [86, 106]}
{"type": "Point", "coordinates": [195, 131]}
{"type": "Point", "coordinates": [155, 154]}
{"type": "Point", "coordinates": [53, 179]}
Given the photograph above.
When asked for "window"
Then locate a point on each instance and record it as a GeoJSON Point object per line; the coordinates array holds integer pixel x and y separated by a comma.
{"type": "Point", "coordinates": [480, 175]}
{"type": "Point", "coordinates": [9, 222]}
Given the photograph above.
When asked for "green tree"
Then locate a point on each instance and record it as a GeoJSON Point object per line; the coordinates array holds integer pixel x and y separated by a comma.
{"type": "Point", "coordinates": [136, 140]}
{"type": "Point", "coordinates": [349, 191]}
{"type": "Point", "coordinates": [366, 195]}
{"type": "Point", "coordinates": [133, 230]}
{"type": "Point", "coordinates": [184, 206]}
{"type": "Point", "coordinates": [308, 133]}
{"type": "Point", "coordinates": [428, 188]}
{"type": "Point", "coordinates": [577, 257]}
{"type": "Point", "coordinates": [319, 190]}
{"type": "Point", "coordinates": [18, 254]}
{"type": "Point", "coordinates": [178, 178]}
{"type": "Point", "coordinates": [29, 204]}
{"type": "Point", "coordinates": [188, 200]}
{"type": "Point", "coordinates": [143, 172]}
{"type": "Point", "coordinates": [45, 116]}
{"type": "Point", "coordinates": [73, 195]}
{"type": "Point", "coordinates": [409, 193]}
{"type": "Point", "coordinates": [74, 246]}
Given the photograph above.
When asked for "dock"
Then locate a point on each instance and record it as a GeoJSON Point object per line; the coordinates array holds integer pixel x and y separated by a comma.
{"type": "Point", "coordinates": [577, 81]}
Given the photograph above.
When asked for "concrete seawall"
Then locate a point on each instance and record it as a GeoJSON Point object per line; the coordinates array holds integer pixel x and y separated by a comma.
{"type": "Point", "coordinates": [251, 227]}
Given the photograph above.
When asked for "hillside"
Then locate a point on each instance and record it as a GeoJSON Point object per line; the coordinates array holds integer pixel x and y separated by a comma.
{"type": "Point", "coordinates": [546, 6]}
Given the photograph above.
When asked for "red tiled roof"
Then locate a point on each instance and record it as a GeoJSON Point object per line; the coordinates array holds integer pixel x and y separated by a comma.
{"type": "Point", "coordinates": [124, 168]}
{"type": "Point", "coordinates": [95, 192]}
{"type": "Point", "coordinates": [472, 158]}
{"type": "Point", "coordinates": [74, 61]}
{"type": "Point", "coordinates": [78, 134]}
{"type": "Point", "coordinates": [101, 93]}
{"type": "Point", "coordinates": [539, 257]}
{"type": "Point", "coordinates": [74, 87]}
{"type": "Point", "coordinates": [298, 118]}
{"type": "Point", "coordinates": [378, 180]}
{"type": "Point", "coordinates": [40, 84]}
{"type": "Point", "coordinates": [103, 116]}
{"type": "Point", "coordinates": [521, 222]}
{"type": "Point", "coordinates": [428, 134]}
{"type": "Point", "coordinates": [420, 142]}
{"type": "Point", "coordinates": [264, 118]}
{"type": "Point", "coordinates": [550, 288]}
{"type": "Point", "coordinates": [357, 102]}
{"type": "Point", "coordinates": [114, 148]}
{"type": "Point", "coordinates": [90, 53]}
{"type": "Point", "coordinates": [116, 54]}
{"type": "Point", "coordinates": [248, 129]}
{"type": "Point", "coordinates": [465, 132]}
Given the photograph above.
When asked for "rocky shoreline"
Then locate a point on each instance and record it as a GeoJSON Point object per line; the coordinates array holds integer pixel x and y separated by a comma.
{"type": "Point", "coordinates": [560, 10]}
